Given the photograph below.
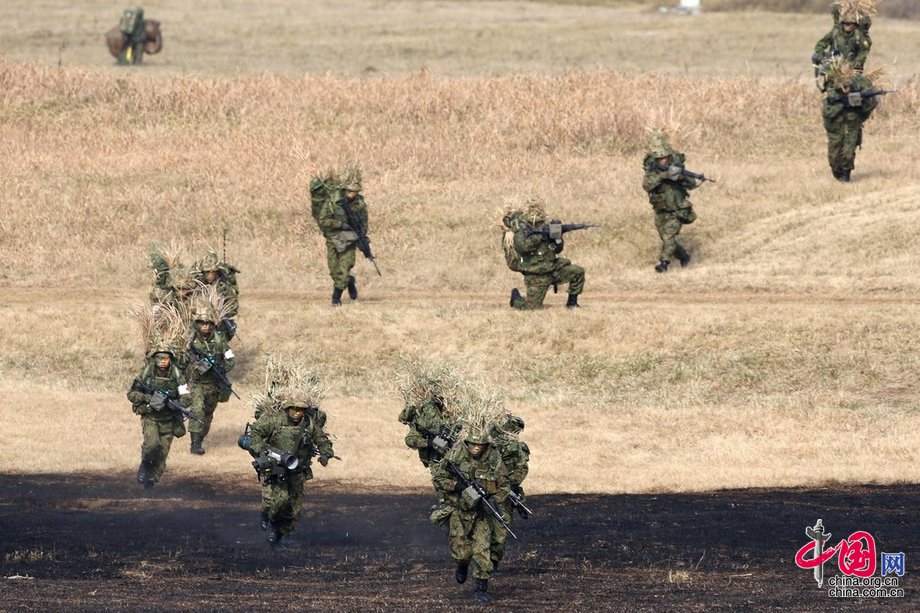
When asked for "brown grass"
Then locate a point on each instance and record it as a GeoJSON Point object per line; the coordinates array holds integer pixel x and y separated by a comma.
{"type": "Point", "coordinates": [798, 313]}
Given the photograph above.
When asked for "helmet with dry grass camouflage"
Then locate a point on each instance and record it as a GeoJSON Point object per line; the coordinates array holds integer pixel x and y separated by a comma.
{"type": "Point", "coordinates": [351, 179]}
{"type": "Point", "coordinates": [659, 146]}
{"type": "Point", "coordinates": [534, 210]}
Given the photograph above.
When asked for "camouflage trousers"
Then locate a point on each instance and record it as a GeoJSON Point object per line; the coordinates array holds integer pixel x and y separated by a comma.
{"type": "Point", "coordinates": [283, 501]}
{"type": "Point", "coordinates": [205, 397]}
{"type": "Point", "coordinates": [158, 437]}
{"type": "Point", "coordinates": [668, 224]}
{"type": "Point", "coordinates": [537, 285]}
{"type": "Point", "coordinates": [843, 138]}
{"type": "Point", "coordinates": [340, 264]}
{"type": "Point", "coordinates": [472, 537]}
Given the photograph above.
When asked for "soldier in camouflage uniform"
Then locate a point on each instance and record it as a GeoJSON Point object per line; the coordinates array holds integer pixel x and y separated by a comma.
{"type": "Point", "coordinates": [432, 427]}
{"type": "Point", "coordinates": [207, 389]}
{"type": "Point", "coordinates": [667, 189]}
{"type": "Point", "coordinates": [472, 531]}
{"type": "Point", "coordinates": [341, 238]}
{"type": "Point", "coordinates": [516, 456]}
{"type": "Point", "coordinates": [848, 39]}
{"type": "Point", "coordinates": [844, 111]}
{"type": "Point", "coordinates": [296, 429]}
{"type": "Point", "coordinates": [159, 424]}
{"type": "Point", "coordinates": [135, 35]}
{"type": "Point", "coordinates": [539, 262]}
{"type": "Point", "coordinates": [211, 271]}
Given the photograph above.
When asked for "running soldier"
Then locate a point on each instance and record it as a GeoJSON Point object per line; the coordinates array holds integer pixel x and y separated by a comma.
{"type": "Point", "coordinates": [474, 482]}
{"type": "Point", "coordinates": [209, 360]}
{"type": "Point", "coordinates": [850, 101]}
{"type": "Point", "coordinates": [667, 186]}
{"type": "Point", "coordinates": [284, 441]}
{"type": "Point", "coordinates": [159, 381]}
{"type": "Point", "coordinates": [516, 457]}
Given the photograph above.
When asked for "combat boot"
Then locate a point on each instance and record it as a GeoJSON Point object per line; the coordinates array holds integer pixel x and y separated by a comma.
{"type": "Point", "coordinates": [683, 256]}
{"type": "Point", "coordinates": [142, 473]}
{"type": "Point", "coordinates": [336, 297]}
{"type": "Point", "coordinates": [462, 570]}
{"type": "Point", "coordinates": [516, 299]}
{"type": "Point", "coordinates": [480, 594]}
{"type": "Point", "coordinates": [263, 521]}
{"type": "Point", "coordinates": [274, 535]}
{"type": "Point", "coordinates": [352, 288]}
{"type": "Point", "coordinates": [661, 266]}
{"type": "Point", "coordinates": [196, 447]}
{"type": "Point", "coordinates": [148, 484]}
{"type": "Point", "coordinates": [573, 302]}
{"type": "Point", "coordinates": [845, 176]}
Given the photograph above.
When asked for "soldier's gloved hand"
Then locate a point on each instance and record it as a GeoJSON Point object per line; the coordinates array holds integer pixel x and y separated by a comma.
{"type": "Point", "coordinates": [815, 60]}
{"type": "Point", "coordinates": [517, 489]}
{"type": "Point", "coordinates": [674, 172]}
{"type": "Point", "coordinates": [459, 487]}
{"type": "Point", "coordinates": [345, 226]}
{"type": "Point", "coordinates": [324, 460]}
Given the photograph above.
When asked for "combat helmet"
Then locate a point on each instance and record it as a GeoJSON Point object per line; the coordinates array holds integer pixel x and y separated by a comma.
{"type": "Point", "coordinates": [350, 178]}
{"type": "Point", "coordinates": [162, 328]}
{"type": "Point", "coordinates": [514, 424]}
{"type": "Point", "coordinates": [209, 262]}
{"type": "Point", "coordinates": [534, 210]}
{"type": "Point", "coordinates": [840, 73]}
{"type": "Point", "coordinates": [659, 146]}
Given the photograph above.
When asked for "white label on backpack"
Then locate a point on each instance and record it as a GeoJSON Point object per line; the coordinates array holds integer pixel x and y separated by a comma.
{"type": "Point", "coordinates": [183, 389]}
{"type": "Point", "coordinates": [229, 354]}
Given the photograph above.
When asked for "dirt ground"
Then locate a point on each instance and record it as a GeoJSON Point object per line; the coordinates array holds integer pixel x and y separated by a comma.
{"type": "Point", "coordinates": [99, 542]}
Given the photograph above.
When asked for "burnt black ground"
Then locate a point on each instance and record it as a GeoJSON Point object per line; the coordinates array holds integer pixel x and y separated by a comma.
{"type": "Point", "coordinates": [100, 542]}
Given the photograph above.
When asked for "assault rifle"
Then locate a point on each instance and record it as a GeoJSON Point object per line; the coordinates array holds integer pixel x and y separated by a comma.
{"type": "Point", "coordinates": [518, 502]}
{"type": "Point", "coordinates": [856, 98]}
{"type": "Point", "coordinates": [555, 229]}
{"type": "Point", "coordinates": [678, 170]}
{"type": "Point", "coordinates": [364, 245]}
{"type": "Point", "coordinates": [204, 363]}
{"type": "Point", "coordinates": [475, 496]}
{"type": "Point", "coordinates": [440, 440]}
{"type": "Point", "coordinates": [169, 403]}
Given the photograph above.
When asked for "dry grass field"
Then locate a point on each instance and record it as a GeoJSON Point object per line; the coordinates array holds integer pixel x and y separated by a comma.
{"type": "Point", "coordinates": [784, 355]}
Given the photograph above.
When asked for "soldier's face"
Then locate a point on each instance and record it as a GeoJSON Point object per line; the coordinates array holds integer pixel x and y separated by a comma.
{"type": "Point", "coordinates": [295, 414]}
{"type": "Point", "coordinates": [211, 276]}
{"type": "Point", "coordinates": [205, 328]}
{"type": "Point", "coordinates": [163, 360]}
{"type": "Point", "coordinates": [664, 161]}
{"type": "Point", "coordinates": [476, 449]}
{"type": "Point", "coordinates": [849, 27]}
{"type": "Point", "coordinates": [350, 194]}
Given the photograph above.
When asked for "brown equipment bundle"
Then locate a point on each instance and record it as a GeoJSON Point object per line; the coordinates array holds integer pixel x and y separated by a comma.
{"type": "Point", "coordinates": [116, 40]}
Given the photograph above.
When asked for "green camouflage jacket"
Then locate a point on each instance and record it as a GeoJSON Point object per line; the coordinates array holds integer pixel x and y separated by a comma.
{"type": "Point", "coordinates": [332, 217]}
{"type": "Point", "coordinates": [537, 253]}
{"type": "Point", "coordinates": [277, 430]}
{"type": "Point", "coordinates": [664, 194]}
{"type": "Point", "coordinates": [489, 471]}
{"type": "Point", "coordinates": [853, 48]}
{"type": "Point", "coordinates": [215, 348]}
{"type": "Point", "coordinates": [424, 416]}
{"type": "Point", "coordinates": [172, 382]}
{"type": "Point", "coordinates": [836, 109]}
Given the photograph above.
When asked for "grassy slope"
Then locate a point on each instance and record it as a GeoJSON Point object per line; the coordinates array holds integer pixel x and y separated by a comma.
{"type": "Point", "coordinates": [798, 313]}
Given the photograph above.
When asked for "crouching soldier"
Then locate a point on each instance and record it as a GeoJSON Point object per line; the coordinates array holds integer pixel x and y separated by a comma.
{"type": "Point", "coordinates": [473, 525]}
{"type": "Point", "coordinates": [284, 443]}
